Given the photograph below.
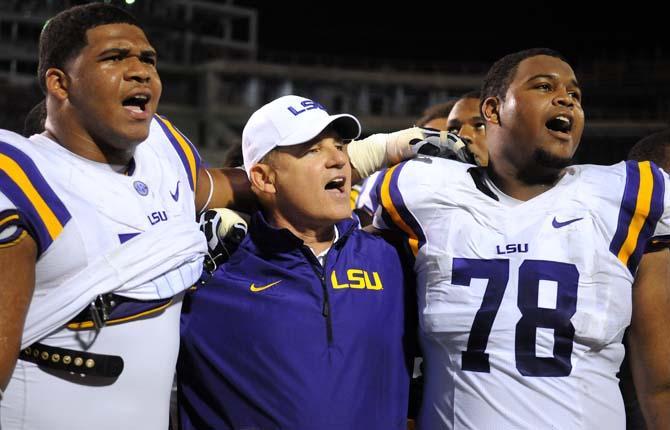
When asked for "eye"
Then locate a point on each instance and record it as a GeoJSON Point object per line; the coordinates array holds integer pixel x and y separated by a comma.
{"type": "Point", "coordinates": [148, 60]}
{"type": "Point", "coordinates": [480, 126]}
{"type": "Point", "coordinates": [575, 95]}
{"type": "Point", "coordinates": [544, 86]}
{"type": "Point", "coordinates": [113, 58]}
{"type": "Point", "coordinates": [312, 150]}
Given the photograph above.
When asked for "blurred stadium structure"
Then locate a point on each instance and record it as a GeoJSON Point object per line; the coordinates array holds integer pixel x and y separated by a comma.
{"type": "Point", "coordinates": [215, 75]}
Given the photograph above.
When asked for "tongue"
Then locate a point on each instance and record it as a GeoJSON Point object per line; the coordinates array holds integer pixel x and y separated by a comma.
{"type": "Point", "coordinates": [134, 108]}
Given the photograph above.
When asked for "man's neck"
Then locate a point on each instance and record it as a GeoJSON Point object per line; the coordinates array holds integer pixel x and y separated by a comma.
{"type": "Point", "coordinates": [76, 140]}
{"type": "Point", "coordinates": [522, 184]}
{"type": "Point", "coordinates": [319, 238]}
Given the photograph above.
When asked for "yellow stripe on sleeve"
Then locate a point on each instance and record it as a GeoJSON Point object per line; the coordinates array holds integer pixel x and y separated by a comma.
{"type": "Point", "coordinates": [642, 207]}
{"type": "Point", "coordinates": [187, 150]}
{"type": "Point", "coordinates": [387, 202]}
{"type": "Point", "coordinates": [8, 219]}
{"type": "Point", "coordinates": [16, 173]}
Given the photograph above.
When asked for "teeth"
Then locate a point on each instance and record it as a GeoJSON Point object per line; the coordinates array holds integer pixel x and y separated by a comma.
{"type": "Point", "coordinates": [335, 183]}
{"type": "Point", "coordinates": [560, 123]}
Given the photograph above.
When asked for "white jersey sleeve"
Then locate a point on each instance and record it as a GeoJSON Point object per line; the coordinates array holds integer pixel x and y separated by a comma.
{"type": "Point", "coordinates": [644, 210]}
{"type": "Point", "coordinates": [363, 195]}
{"type": "Point", "coordinates": [408, 193]}
{"type": "Point", "coordinates": [28, 202]}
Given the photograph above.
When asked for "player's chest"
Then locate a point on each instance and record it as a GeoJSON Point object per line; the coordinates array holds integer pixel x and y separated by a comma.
{"type": "Point", "coordinates": [516, 272]}
{"type": "Point", "coordinates": [556, 228]}
{"type": "Point", "coordinates": [110, 208]}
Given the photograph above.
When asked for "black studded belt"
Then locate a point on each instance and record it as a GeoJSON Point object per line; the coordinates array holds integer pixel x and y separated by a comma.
{"type": "Point", "coordinates": [106, 309]}
{"type": "Point", "coordinates": [70, 360]}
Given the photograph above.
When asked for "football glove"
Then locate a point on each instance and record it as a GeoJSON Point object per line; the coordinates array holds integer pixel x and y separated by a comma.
{"type": "Point", "coordinates": [224, 229]}
{"type": "Point", "coordinates": [441, 144]}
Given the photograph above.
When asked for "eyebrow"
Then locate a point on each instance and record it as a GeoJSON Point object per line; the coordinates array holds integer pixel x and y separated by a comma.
{"type": "Point", "coordinates": [553, 78]}
{"type": "Point", "coordinates": [125, 51]}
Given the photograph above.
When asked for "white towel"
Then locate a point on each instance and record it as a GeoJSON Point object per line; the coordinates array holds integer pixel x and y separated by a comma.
{"type": "Point", "coordinates": [156, 264]}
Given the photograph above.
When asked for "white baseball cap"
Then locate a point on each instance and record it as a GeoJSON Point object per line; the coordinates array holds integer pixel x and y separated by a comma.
{"type": "Point", "coordinates": [290, 120]}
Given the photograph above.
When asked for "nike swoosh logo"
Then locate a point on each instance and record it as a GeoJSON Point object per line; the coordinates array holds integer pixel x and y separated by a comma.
{"type": "Point", "coordinates": [256, 289]}
{"type": "Point", "coordinates": [175, 196]}
{"type": "Point", "coordinates": [558, 224]}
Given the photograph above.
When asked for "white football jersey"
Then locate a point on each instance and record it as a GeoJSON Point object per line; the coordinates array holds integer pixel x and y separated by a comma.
{"type": "Point", "coordinates": [78, 209]}
{"type": "Point", "coordinates": [362, 195]}
{"type": "Point", "coordinates": [523, 305]}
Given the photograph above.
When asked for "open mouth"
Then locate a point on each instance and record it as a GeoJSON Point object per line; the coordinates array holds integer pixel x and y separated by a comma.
{"type": "Point", "coordinates": [136, 103]}
{"type": "Point", "coordinates": [336, 184]}
{"type": "Point", "coordinates": [560, 123]}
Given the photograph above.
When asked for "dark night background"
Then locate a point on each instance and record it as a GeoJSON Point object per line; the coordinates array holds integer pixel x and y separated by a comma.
{"type": "Point", "coordinates": [443, 32]}
{"type": "Point", "coordinates": [621, 53]}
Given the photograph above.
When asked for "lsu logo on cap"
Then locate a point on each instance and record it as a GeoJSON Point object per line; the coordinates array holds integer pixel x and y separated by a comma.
{"type": "Point", "coordinates": [306, 105]}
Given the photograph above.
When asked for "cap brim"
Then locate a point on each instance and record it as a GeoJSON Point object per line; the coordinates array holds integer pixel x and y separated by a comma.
{"type": "Point", "coordinates": [347, 126]}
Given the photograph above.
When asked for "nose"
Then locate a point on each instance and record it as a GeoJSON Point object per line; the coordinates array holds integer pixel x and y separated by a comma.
{"type": "Point", "coordinates": [337, 157]}
{"type": "Point", "coordinates": [138, 70]}
{"type": "Point", "coordinates": [563, 98]}
{"type": "Point", "coordinates": [466, 134]}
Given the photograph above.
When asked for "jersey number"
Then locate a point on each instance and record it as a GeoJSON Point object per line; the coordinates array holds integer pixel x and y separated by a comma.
{"type": "Point", "coordinates": [531, 272]}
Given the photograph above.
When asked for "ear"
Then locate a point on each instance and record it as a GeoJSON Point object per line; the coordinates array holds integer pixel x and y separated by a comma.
{"type": "Point", "coordinates": [491, 110]}
{"type": "Point", "coordinates": [57, 83]}
{"type": "Point", "coordinates": [262, 177]}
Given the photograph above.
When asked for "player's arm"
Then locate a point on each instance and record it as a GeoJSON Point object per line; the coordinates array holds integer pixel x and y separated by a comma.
{"type": "Point", "coordinates": [223, 188]}
{"type": "Point", "coordinates": [17, 266]}
{"type": "Point", "coordinates": [386, 149]}
{"type": "Point", "coordinates": [649, 338]}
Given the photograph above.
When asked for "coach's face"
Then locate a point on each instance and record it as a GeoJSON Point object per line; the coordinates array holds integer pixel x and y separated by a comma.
{"type": "Point", "coordinates": [312, 181]}
{"type": "Point", "coordinates": [114, 87]}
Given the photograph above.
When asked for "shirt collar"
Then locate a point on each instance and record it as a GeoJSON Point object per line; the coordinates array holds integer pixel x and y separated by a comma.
{"type": "Point", "coordinates": [270, 238]}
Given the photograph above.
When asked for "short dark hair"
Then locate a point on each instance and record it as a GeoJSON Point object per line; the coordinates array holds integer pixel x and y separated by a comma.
{"type": "Point", "coordinates": [655, 147]}
{"type": "Point", "coordinates": [501, 74]}
{"type": "Point", "coordinates": [34, 121]}
{"type": "Point", "coordinates": [440, 110]}
{"type": "Point", "coordinates": [64, 35]}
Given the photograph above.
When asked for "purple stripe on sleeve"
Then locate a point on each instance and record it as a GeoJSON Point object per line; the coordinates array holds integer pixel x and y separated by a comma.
{"type": "Point", "coordinates": [655, 213]}
{"type": "Point", "coordinates": [36, 224]}
{"type": "Point", "coordinates": [180, 151]}
{"type": "Point", "coordinates": [627, 208]}
{"type": "Point", "coordinates": [401, 207]}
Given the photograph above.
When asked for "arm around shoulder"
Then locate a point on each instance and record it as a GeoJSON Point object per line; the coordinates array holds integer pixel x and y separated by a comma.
{"type": "Point", "coordinates": [224, 188]}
